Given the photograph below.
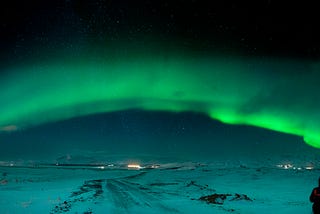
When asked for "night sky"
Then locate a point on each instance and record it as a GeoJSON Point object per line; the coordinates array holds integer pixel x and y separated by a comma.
{"type": "Point", "coordinates": [178, 78]}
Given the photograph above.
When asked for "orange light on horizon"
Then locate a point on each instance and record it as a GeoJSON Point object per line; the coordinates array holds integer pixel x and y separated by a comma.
{"type": "Point", "coordinates": [134, 166]}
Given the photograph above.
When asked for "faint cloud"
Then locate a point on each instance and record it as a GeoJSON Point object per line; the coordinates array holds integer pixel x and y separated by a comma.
{"type": "Point", "coordinates": [9, 128]}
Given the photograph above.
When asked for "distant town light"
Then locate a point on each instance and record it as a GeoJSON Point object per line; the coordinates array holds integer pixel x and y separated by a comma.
{"type": "Point", "coordinates": [134, 166]}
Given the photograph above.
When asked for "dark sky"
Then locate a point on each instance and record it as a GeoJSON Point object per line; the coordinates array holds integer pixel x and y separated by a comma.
{"type": "Point", "coordinates": [246, 27]}
{"type": "Point", "coordinates": [137, 134]}
{"type": "Point", "coordinates": [36, 29]}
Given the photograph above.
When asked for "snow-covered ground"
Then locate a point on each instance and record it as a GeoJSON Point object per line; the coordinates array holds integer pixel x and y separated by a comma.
{"type": "Point", "coordinates": [163, 188]}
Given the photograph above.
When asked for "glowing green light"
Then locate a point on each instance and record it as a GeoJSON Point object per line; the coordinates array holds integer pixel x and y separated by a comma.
{"type": "Point", "coordinates": [234, 91]}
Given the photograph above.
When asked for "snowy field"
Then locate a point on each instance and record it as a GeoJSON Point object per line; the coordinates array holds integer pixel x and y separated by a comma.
{"type": "Point", "coordinates": [218, 187]}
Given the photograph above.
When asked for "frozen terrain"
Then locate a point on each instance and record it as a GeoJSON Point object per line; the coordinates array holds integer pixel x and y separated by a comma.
{"type": "Point", "coordinates": [217, 187]}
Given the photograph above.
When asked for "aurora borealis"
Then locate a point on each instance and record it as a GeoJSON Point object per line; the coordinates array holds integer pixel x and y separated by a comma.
{"type": "Point", "coordinates": [139, 106]}
{"type": "Point", "coordinates": [226, 89]}
{"type": "Point", "coordinates": [68, 59]}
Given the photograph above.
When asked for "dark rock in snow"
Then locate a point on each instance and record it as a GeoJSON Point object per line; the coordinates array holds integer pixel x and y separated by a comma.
{"type": "Point", "coordinates": [214, 198]}
{"type": "Point", "coordinates": [220, 198]}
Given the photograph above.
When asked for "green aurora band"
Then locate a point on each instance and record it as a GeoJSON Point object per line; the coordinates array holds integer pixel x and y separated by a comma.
{"type": "Point", "coordinates": [235, 90]}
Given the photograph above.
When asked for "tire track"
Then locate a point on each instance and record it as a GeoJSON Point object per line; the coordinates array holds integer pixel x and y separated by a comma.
{"type": "Point", "coordinates": [126, 195]}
